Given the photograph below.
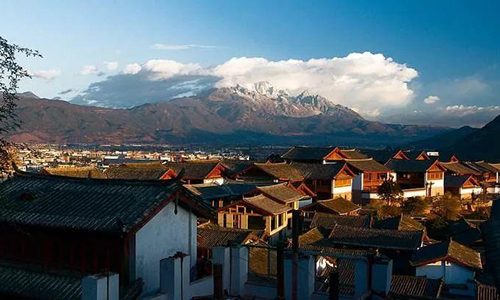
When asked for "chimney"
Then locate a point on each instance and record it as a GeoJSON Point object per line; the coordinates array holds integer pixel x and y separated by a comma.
{"type": "Point", "coordinates": [101, 287]}
{"type": "Point", "coordinates": [381, 275]}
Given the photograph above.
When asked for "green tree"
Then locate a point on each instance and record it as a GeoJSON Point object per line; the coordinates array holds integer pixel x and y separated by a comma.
{"type": "Point", "coordinates": [10, 75]}
{"type": "Point", "coordinates": [390, 192]}
{"type": "Point", "coordinates": [447, 206]}
{"type": "Point", "coordinates": [415, 206]}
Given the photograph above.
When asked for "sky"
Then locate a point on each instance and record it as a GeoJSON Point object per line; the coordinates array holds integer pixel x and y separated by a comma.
{"type": "Point", "coordinates": [394, 61]}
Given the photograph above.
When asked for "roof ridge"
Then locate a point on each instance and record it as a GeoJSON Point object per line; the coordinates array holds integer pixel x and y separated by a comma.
{"type": "Point", "coordinates": [103, 181]}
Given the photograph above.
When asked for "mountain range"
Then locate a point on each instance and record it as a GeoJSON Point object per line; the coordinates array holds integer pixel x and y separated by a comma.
{"type": "Point", "coordinates": [235, 115]}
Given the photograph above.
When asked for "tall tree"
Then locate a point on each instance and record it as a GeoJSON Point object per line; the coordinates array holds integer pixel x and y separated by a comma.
{"type": "Point", "coordinates": [390, 191]}
{"type": "Point", "coordinates": [10, 75]}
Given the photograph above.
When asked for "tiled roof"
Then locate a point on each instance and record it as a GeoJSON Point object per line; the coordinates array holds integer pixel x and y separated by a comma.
{"type": "Point", "coordinates": [367, 165]}
{"type": "Point", "coordinates": [401, 222]}
{"type": "Point", "coordinates": [307, 153]}
{"type": "Point", "coordinates": [91, 204]}
{"type": "Point", "coordinates": [491, 237]}
{"type": "Point", "coordinates": [77, 172]}
{"type": "Point", "coordinates": [328, 221]}
{"type": "Point", "coordinates": [376, 238]}
{"type": "Point", "coordinates": [221, 237]}
{"type": "Point", "coordinates": [281, 192]}
{"type": "Point", "coordinates": [316, 240]}
{"type": "Point", "coordinates": [267, 205]}
{"type": "Point", "coordinates": [449, 251]}
{"type": "Point", "coordinates": [464, 232]}
{"type": "Point", "coordinates": [126, 171]}
{"type": "Point", "coordinates": [234, 166]}
{"type": "Point", "coordinates": [487, 292]}
{"type": "Point", "coordinates": [319, 171]}
{"type": "Point", "coordinates": [455, 180]}
{"type": "Point", "coordinates": [37, 284]}
{"type": "Point", "coordinates": [482, 167]}
{"type": "Point", "coordinates": [210, 191]}
{"type": "Point", "coordinates": [192, 170]}
{"type": "Point", "coordinates": [418, 287]}
{"type": "Point", "coordinates": [337, 205]}
{"type": "Point", "coordinates": [280, 171]}
{"type": "Point", "coordinates": [459, 168]}
{"type": "Point", "coordinates": [353, 154]}
{"type": "Point", "coordinates": [403, 165]}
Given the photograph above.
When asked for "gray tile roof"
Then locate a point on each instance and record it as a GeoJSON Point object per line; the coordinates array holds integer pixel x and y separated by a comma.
{"type": "Point", "coordinates": [307, 153]}
{"type": "Point", "coordinates": [319, 171]}
{"type": "Point", "coordinates": [31, 284]}
{"type": "Point", "coordinates": [403, 165]}
{"type": "Point", "coordinates": [328, 221]}
{"type": "Point", "coordinates": [376, 238]}
{"type": "Point", "coordinates": [87, 204]}
{"type": "Point", "coordinates": [449, 251]}
{"type": "Point", "coordinates": [415, 287]}
{"type": "Point", "coordinates": [367, 165]}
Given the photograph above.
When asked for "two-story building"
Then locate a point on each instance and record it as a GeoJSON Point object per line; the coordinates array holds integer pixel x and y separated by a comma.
{"type": "Point", "coordinates": [327, 181]}
{"type": "Point", "coordinates": [418, 178]}
{"type": "Point", "coordinates": [370, 174]}
{"type": "Point", "coordinates": [257, 213]}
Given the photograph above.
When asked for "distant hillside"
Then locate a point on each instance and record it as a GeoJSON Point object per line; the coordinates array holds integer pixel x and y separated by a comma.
{"type": "Point", "coordinates": [443, 140]}
{"type": "Point", "coordinates": [235, 115]}
{"type": "Point", "coordinates": [481, 144]}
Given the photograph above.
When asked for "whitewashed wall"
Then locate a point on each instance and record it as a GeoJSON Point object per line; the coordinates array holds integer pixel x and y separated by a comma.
{"type": "Point", "coordinates": [163, 236]}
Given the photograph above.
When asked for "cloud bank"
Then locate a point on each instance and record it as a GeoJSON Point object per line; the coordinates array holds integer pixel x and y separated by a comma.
{"type": "Point", "coordinates": [365, 81]}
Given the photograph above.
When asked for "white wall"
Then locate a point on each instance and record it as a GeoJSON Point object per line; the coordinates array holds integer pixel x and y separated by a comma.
{"type": "Point", "coordinates": [421, 192]}
{"type": "Point", "coordinates": [163, 236]}
{"type": "Point", "coordinates": [340, 190]}
{"type": "Point", "coordinates": [452, 273]}
{"type": "Point", "coordinates": [219, 180]}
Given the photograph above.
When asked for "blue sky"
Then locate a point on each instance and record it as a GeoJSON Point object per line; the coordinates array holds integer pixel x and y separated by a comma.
{"type": "Point", "coordinates": [451, 45]}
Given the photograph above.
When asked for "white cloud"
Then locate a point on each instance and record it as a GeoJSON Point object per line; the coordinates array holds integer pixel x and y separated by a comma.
{"type": "Point", "coordinates": [132, 68]}
{"type": "Point", "coordinates": [371, 82]}
{"type": "Point", "coordinates": [431, 99]}
{"type": "Point", "coordinates": [111, 65]}
{"type": "Point", "coordinates": [45, 74]}
{"type": "Point", "coordinates": [180, 47]}
{"type": "Point", "coordinates": [463, 110]}
{"type": "Point", "coordinates": [163, 69]}
{"type": "Point", "coordinates": [366, 80]}
{"type": "Point", "coordinates": [88, 70]}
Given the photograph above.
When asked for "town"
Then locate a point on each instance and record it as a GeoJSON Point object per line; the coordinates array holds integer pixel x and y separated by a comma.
{"type": "Point", "coordinates": [310, 222]}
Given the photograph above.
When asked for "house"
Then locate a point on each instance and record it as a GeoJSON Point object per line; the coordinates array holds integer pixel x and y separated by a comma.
{"type": "Point", "coordinates": [455, 263]}
{"type": "Point", "coordinates": [257, 213]}
{"type": "Point", "coordinates": [397, 245]}
{"type": "Point", "coordinates": [370, 174]}
{"type": "Point", "coordinates": [320, 155]}
{"type": "Point", "coordinates": [401, 223]}
{"type": "Point", "coordinates": [489, 175]}
{"type": "Point", "coordinates": [198, 172]}
{"type": "Point", "coordinates": [462, 186]}
{"type": "Point", "coordinates": [418, 178]}
{"type": "Point", "coordinates": [327, 181]}
{"type": "Point", "coordinates": [282, 193]}
{"type": "Point", "coordinates": [270, 173]}
{"type": "Point", "coordinates": [218, 195]}
{"type": "Point", "coordinates": [82, 226]}
{"type": "Point", "coordinates": [337, 206]}
{"type": "Point", "coordinates": [211, 236]}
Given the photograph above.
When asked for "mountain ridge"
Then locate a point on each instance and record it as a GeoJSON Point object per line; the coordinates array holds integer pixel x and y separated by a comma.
{"type": "Point", "coordinates": [232, 115]}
